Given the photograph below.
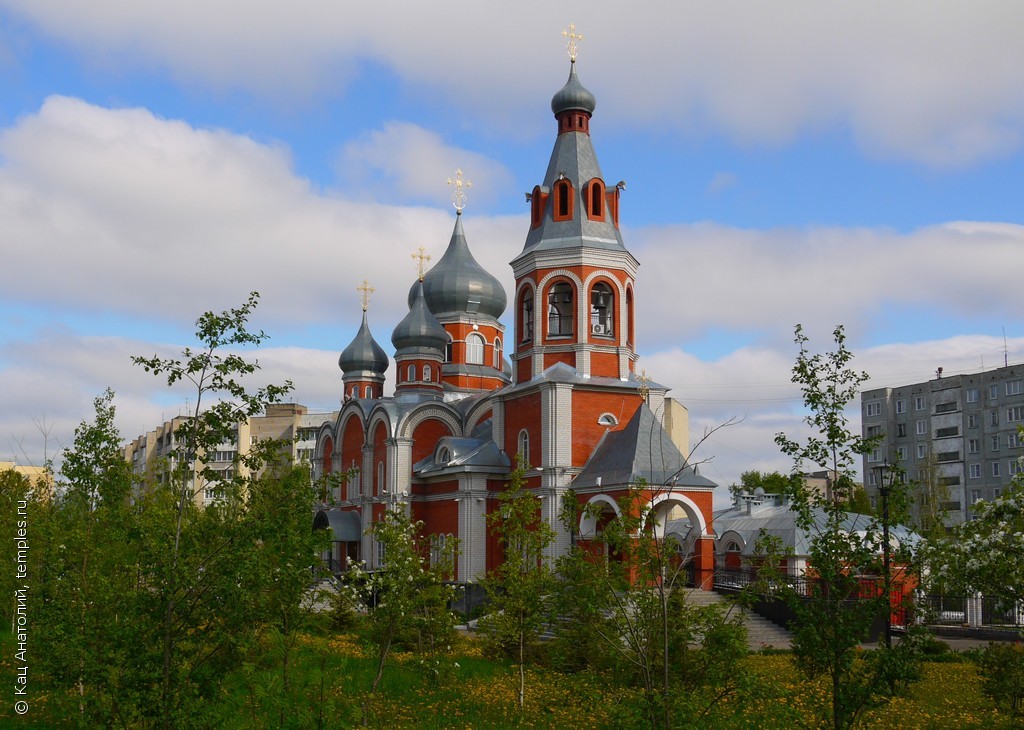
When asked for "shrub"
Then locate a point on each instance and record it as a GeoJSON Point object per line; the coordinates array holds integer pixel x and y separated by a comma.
{"type": "Point", "coordinates": [1002, 674]}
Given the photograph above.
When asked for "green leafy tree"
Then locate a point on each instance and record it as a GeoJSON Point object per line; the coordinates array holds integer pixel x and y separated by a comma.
{"type": "Point", "coordinates": [222, 400]}
{"type": "Point", "coordinates": [15, 491]}
{"type": "Point", "coordinates": [408, 596]}
{"type": "Point", "coordinates": [520, 588]}
{"type": "Point", "coordinates": [771, 482]}
{"type": "Point", "coordinates": [833, 616]}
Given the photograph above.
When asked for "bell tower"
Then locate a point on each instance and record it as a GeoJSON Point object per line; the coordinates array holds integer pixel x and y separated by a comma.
{"type": "Point", "coordinates": [574, 296]}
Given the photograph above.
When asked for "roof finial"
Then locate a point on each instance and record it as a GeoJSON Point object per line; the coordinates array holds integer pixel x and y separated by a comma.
{"type": "Point", "coordinates": [459, 194]}
{"type": "Point", "coordinates": [422, 257]}
{"type": "Point", "coordinates": [645, 388]}
{"type": "Point", "coordinates": [572, 44]}
{"type": "Point", "coordinates": [365, 290]}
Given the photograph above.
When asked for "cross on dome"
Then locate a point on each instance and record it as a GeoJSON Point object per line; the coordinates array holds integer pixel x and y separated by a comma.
{"type": "Point", "coordinates": [422, 258]}
{"type": "Point", "coordinates": [459, 194]}
{"type": "Point", "coordinates": [365, 290]}
{"type": "Point", "coordinates": [573, 41]}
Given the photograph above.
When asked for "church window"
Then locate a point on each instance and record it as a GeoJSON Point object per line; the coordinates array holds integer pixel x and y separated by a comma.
{"type": "Point", "coordinates": [475, 349]}
{"type": "Point", "coordinates": [368, 392]}
{"type": "Point", "coordinates": [497, 353]}
{"type": "Point", "coordinates": [380, 478]}
{"type": "Point", "coordinates": [629, 316]}
{"type": "Point", "coordinates": [595, 200]}
{"type": "Point", "coordinates": [607, 419]}
{"type": "Point", "coordinates": [527, 318]}
{"type": "Point", "coordinates": [410, 374]}
{"type": "Point", "coordinates": [443, 455]}
{"type": "Point", "coordinates": [448, 350]}
{"type": "Point", "coordinates": [355, 391]}
{"type": "Point", "coordinates": [524, 447]}
{"type": "Point", "coordinates": [427, 375]}
{"type": "Point", "coordinates": [602, 310]}
{"type": "Point", "coordinates": [560, 310]}
{"type": "Point", "coordinates": [536, 207]}
{"type": "Point", "coordinates": [563, 200]}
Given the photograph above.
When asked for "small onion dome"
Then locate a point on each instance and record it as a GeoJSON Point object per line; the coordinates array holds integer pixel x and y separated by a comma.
{"type": "Point", "coordinates": [419, 329]}
{"type": "Point", "coordinates": [363, 353]}
{"type": "Point", "coordinates": [458, 284]}
{"type": "Point", "coordinates": [573, 96]}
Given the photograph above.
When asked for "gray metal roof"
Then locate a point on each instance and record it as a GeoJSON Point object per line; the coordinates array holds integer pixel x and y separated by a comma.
{"type": "Point", "coordinates": [774, 515]}
{"type": "Point", "coordinates": [419, 329]}
{"type": "Point", "coordinates": [463, 454]}
{"type": "Point", "coordinates": [363, 353]}
{"type": "Point", "coordinates": [344, 525]}
{"type": "Point", "coordinates": [457, 284]}
{"type": "Point", "coordinates": [640, 451]}
{"type": "Point", "coordinates": [573, 95]}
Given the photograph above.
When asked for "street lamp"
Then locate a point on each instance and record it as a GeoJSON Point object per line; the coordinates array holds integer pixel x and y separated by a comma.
{"type": "Point", "coordinates": [884, 488]}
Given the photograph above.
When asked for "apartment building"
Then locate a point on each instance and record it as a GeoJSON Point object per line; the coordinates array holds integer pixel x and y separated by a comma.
{"type": "Point", "coordinates": [151, 454]}
{"type": "Point", "coordinates": [959, 433]}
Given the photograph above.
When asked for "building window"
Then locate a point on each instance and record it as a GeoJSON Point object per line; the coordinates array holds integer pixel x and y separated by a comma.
{"type": "Point", "coordinates": [1014, 387]}
{"type": "Point", "coordinates": [428, 375]}
{"type": "Point", "coordinates": [1013, 441]}
{"type": "Point", "coordinates": [901, 453]}
{"type": "Point", "coordinates": [993, 392]}
{"type": "Point", "coordinates": [901, 430]}
{"type": "Point", "coordinates": [975, 496]}
{"type": "Point", "coordinates": [919, 403]}
{"type": "Point", "coordinates": [901, 406]}
{"type": "Point", "coordinates": [380, 478]}
{"type": "Point", "coordinates": [368, 391]}
{"type": "Point", "coordinates": [943, 433]}
{"type": "Point", "coordinates": [922, 451]}
{"type": "Point", "coordinates": [946, 407]}
{"type": "Point", "coordinates": [975, 471]}
{"type": "Point", "coordinates": [475, 349]}
{"type": "Point", "coordinates": [873, 409]}
{"type": "Point", "coordinates": [972, 395]}
{"type": "Point", "coordinates": [1015, 414]}
{"type": "Point", "coordinates": [595, 200]}
{"type": "Point", "coordinates": [602, 310]}
{"type": "Point", "coordinates": [922, 428]}
{"type": "Point", "coordinates": [875, 455]}
{"type": "Point", "coordinates": [527, 316]}
{"type": "Point", "coordinates": [995, 469]}
{"type": "Point", "coordinates": [947, 456]}
{"type": "Point", "coordinates": [972, 421]}
{"type": "Point", "coordinates": [524, 447]}
{"type": "Point", "coordinates": [381, 553]}
{"type": "Point", "coordinates": [563, 200]}
{"type": "Point", "coordinates": [993, 419]}
{"type": "Point", "coordinates": [1015, 467]}
{"type": "Point", "coordinates": [607, 419]}
{"type": "Point", "coordinates": [448, 350]}
{"type": "Point", "coordinates": [995, 443]}
{"type": "Point", "coordinates": [560, 310]}
{"type": "Point", "coordinates": [536, 206]}
{"type": "Point", "coordinates": [355, 391]}
{"type": "Point", "coordinates": [410, 374]}
{"type": "Point", "coordinates": [497, 354]}
{"type": "Point", "coordinates": [973, 446]}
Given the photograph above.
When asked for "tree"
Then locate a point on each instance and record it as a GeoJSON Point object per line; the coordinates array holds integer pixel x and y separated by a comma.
{"type": "Point", "coordinates": [927, 499]}
{"type": "Point", "coordinates": [214, 372]}
{"type": "Point", "coordinates": [771, 482]}
{"type": "Point", "coordinates": [408, 595]}
{"type": "Point", "coordinates": [520, 588]}
{"type": "Point", "coordinates": [834, 616]}
{"type": "Point", "coordinates": [986, 554]}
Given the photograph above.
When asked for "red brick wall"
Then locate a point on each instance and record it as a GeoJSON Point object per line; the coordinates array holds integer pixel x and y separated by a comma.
{"type": "Point", "coordinates": [520, 413]}
{"type": "Point", "coordinates": [426, 436]}
{"type": "Point", "coordinates": [587, 407]}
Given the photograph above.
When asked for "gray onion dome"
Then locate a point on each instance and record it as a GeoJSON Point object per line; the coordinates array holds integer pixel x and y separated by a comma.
{"type": "Point", "coordinates": [419, 329]}
{"type": "Point", "coordinates": [363, 353]}
{"type": "Point", "coordinates": [458, 284]}
{"type": "Point", "coordinates": [573, 96]}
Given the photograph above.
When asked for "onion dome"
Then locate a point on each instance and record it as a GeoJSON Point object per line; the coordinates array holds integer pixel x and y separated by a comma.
{"type": "Point", "coordinates": [420, 329]}
{"type": "Point", "coordinates": [363, 353]}
{"type": "Point", "coordinates": [457, 284]}
{"type": "Point", "coordinates": [573, 96]}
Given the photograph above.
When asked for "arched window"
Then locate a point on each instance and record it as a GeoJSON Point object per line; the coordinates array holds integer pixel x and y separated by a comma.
{"type": "Point", "coordinates": [448, 350]}
{"type": "Point", "coordinates": [602, 310]}
{"type": "Point", "coordinates": [355, 391]}
{"type": "Point", "coordinates": [536, 207]}
{"type": "Point", "coordinates": [410, 374]}
{"type": "Point", "coordinates": [629, 316]}
{"type": "Point", "coordinates": [380, 478]}
{"type": "Point", "coordinates": [368, 392]}
{"type": "Point", "coordinates": [524, 447]}
{"type": "Point", "coordinates": [427, 374]}
{"type": "Point", "coordinates": [474, 349]}
{"type": "Point", "coordinates": [595, 200]}
{"type": "Point", "coordinates": [563, 200]}
{"type": "Point", "coordinates": [527, 315]}
{"type": "Point", "coordinates": [497, 353]}
{"type": "Point", "coordinates": [560, 310]}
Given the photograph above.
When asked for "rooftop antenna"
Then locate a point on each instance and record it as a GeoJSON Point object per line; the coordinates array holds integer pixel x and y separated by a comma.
{"type": "Point", "coordinates": [1006, 360]}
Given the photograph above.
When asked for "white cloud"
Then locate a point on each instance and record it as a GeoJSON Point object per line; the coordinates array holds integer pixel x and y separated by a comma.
{"type": "Point", "coordinates": [414, 162]}
{"type": "Point", "coordinates": [939, 84]}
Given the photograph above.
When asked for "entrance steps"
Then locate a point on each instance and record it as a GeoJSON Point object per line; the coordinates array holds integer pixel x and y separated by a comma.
{"type": "Point", "coordinates": [761, 633]}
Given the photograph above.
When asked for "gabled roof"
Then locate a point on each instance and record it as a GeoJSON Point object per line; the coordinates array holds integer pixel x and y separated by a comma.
{"type": "Point", "coordinates": [641, 451]}
{"type": "Point", "coordinates": [463, 454]}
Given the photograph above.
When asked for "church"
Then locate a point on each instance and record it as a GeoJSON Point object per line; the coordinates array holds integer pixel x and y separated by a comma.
{"type": "Point", "coordinates": [560, 391]}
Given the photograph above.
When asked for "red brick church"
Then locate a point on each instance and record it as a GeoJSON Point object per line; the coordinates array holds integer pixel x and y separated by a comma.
{"type": "Point", "coordinates": [569, 402]}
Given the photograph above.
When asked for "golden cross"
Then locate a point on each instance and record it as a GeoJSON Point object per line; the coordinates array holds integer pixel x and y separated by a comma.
{"type": "Point", "coordinates": [365, 291]}
{"type": "Point", "coordinates": [644, 379]}
{"type": "Point", "coordinates": [574, 38]}
{"type": "Point", "coordinates": [423, 257]}
{"type": "Point", "coordinates": [459, 195]}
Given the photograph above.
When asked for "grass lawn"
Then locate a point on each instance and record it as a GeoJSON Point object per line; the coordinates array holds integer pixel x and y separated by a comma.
{"type": "Point", "coordinates": [330, 675]}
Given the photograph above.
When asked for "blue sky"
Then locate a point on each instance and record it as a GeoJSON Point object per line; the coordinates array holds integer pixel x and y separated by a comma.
{"type": "Point", "coordinates": [848, 162]}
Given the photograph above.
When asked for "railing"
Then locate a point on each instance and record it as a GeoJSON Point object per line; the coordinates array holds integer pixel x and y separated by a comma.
{"type": "Point", "coordinates": [559, 325]}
